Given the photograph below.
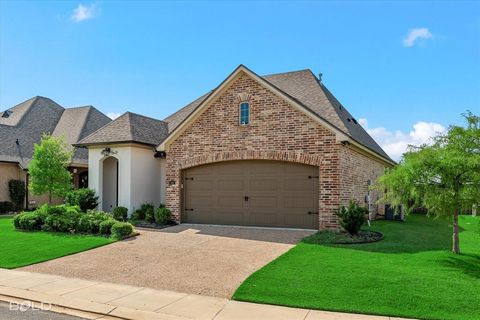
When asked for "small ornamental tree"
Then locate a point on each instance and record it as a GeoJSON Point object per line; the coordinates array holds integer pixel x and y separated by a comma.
{"type": "Point", "coordinates": [443, 177]}
{"type": "Point", "coordinates": [48, 168]}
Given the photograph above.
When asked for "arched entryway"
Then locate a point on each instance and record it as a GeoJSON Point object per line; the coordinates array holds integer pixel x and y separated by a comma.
{"type": "Point", "coordinates": [110, 184]}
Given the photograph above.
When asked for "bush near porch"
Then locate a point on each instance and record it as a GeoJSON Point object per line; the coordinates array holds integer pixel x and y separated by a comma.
{"type": "Point", "coordinates": [410, 273]}
{"type": "Point", "coordinates": [65, 218]}
{"type": "Point", "coordinates": [149, 216]}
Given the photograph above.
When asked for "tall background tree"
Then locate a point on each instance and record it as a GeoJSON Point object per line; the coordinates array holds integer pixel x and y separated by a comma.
{"type": "Point", "coordinates": [443, 177]}
{"type": "Point", "coordinates": [48, 168]}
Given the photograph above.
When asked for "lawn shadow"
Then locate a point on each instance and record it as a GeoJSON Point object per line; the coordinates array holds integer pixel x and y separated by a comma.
{"type": "Point", "coordinates": [468, 264]}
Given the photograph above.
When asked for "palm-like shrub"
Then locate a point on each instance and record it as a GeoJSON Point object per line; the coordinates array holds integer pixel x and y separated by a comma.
{"type": "Point", "coordinates": [352, 217]}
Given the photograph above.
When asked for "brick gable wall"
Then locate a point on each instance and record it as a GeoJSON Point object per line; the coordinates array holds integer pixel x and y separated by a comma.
{"type": "Point", "coordinates": [277, 131]}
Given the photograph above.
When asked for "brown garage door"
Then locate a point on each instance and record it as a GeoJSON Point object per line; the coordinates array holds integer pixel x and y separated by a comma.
{"type": "Point", "coordinates": [252, 193]}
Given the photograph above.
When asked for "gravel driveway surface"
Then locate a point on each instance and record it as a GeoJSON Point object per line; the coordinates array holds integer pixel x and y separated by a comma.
{"type": "Point", "coordinates": [199, 259]}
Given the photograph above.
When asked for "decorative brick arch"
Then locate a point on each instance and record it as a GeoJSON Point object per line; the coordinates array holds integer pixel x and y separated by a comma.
{"type": "Point", "coordinates": [288, 156]}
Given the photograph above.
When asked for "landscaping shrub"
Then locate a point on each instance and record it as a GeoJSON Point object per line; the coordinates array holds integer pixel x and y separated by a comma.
{"type": "Point", "coordinates": [62, 218]}
{"type": "Point", "coordinates": [121, 230]}
{"type": "Point", "coordinates": [90, 222]}
{"type": "Point", "coordinates": [6, 206]}
{"type": "Point", "coordinates": [16, 189]}
{"type": "Point", "coordinates": [149, 210]}
{"type": "Point", "coordinates": [106, 226]}
{"type": "Point", "coordinates": [120, 213]}
{"type": "Point", "coordinates": [162, 215]}
{"type": "Point", "coordinates": [84, 198]}
{"type": "Point", "coordinates": [28, 221]}
{"type": "Point", "coordinates": [352, 217]}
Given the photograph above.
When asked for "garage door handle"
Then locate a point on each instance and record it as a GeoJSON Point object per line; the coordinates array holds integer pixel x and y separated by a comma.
{"type": "Point", "coordinates": [310, 212]}
{"type": "Point", "coordinates": [246, 198]}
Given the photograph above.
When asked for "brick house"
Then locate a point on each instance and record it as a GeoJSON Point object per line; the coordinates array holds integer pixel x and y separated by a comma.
{"type": "Point", "coordinates": [276, 151]}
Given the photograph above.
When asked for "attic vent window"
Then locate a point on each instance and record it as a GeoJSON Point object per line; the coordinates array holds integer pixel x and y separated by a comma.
{"type": "Point", "coordinates": [6, 113]}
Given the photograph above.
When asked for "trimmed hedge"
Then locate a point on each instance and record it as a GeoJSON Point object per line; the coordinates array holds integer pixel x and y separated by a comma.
{"type": "Point", "coordinates": [105, 227]}
{"type": "Point", "coordinates": [120, 213]}
{"type": "Point", "coordinates": [64, 218]}
{"type": "Point", "coordinates": [121, 230]}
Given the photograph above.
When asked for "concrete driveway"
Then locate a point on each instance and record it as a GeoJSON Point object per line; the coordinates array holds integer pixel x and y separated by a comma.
{"type": "Point", "coordinates": [198, 259]}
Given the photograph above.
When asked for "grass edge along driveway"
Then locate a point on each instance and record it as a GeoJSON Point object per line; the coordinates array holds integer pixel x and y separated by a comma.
{"type": "Point", "coordinates": [411, 273]}
{"type": "Point", "coordinates": [21, 248]}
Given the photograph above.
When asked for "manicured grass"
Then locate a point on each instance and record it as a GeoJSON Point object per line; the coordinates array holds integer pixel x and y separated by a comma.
{"type": "Point", "coordinates": [411, 273]}
{"type": "Point", "coordinates": [20, 248]}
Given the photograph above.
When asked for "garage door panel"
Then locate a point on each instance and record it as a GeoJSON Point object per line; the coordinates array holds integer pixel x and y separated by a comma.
{"type": "Point", "coordinates": [267, 184]}
{"type": "Point", "coordinates": [302, 202]}
{"type": "Point", "coordinates": [298, 184]}
{"type": "Point", "coordinates": [200, 185]}
{"type": "Point", "coordinates": [299, 221]}
{"type": "Point", "coordinates": [201, 200]}
{"type": "Point", "coordinates": [258, 202]}
{"type": "Point", "coordinates": [230, 184]}
{"type": "Point", "coordinates": [230, 201]}
{"type": "Point", "coordinates": [261, 220]}
{"type": "Point", "coordinates": [280, 194]}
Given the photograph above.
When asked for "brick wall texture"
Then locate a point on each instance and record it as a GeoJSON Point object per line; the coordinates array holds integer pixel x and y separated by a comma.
{"type": "Point", "coordinates": [277, 131]}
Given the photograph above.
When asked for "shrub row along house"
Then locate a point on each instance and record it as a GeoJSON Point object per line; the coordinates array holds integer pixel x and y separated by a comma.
{"type": "Point", "coordinates": [276, 151]}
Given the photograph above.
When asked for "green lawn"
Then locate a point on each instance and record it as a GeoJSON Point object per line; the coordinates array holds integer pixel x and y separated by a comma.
{"type": "Point", "coordinates": [410, 273]}
{"type": "Point", "coordinates": [20, 248]}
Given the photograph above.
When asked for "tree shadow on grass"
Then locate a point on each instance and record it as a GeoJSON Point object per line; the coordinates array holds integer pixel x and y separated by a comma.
{"type": "Point", "coordinates": [468, 264]}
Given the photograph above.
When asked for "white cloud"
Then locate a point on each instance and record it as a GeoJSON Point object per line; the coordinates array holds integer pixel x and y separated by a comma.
{"type": "Point", "coordinates": [84, 12]}
{"type": "Point", "coordinates": [113, 115]}
{"type": "Point", "coordinates": [395, 143]}
{"type": "Point", "coordinates": [416, 34]}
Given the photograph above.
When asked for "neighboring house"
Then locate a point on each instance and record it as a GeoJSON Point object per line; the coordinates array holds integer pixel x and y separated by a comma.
{"type": "Point", "coordinates": [275, 151]}
{"type": "Point", "coordinates": [23, 125]}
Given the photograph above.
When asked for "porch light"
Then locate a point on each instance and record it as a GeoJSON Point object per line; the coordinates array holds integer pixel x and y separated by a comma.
{"type": "Point", "coordinates": [107, 152]}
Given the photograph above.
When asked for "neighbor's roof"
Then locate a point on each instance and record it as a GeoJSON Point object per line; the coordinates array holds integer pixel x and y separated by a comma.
{"type": "Point", "coordinates": [308, 91]}
{"type": "Point", "coordinates": [129, 127]}
{"type": "Point", "coordinates": [29, 120]}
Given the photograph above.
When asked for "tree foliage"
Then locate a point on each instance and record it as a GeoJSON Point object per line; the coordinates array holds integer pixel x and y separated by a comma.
{"type": "Point", "coordinates": [48, 168]}
{"type": "Point", "coordinates": [443, 177]}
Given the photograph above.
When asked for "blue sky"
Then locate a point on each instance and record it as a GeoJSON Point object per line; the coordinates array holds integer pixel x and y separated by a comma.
{"type": "Point", "coordinates": [395, 64]}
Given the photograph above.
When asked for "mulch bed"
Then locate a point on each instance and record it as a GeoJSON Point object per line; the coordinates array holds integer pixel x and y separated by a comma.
{"type": "Point", "coordinates": [341, 237]}
{"type": "Point", "coordinates": [152, 225]}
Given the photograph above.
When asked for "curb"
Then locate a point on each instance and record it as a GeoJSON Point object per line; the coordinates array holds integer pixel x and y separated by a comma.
{"type": "Point", "coordinates": [80, 308]}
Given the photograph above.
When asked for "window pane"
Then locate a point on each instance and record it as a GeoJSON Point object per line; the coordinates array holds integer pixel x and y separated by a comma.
{"type": "Point", "coordinates": [244, 113]}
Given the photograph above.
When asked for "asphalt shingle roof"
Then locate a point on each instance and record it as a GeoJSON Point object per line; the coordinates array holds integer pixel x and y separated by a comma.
{"type": "Point", "coordinates": [129, 127]}
{"type": "Point", "coordinates": [307, 90]}
{"type": "Point", "coordinates": [29, 120]}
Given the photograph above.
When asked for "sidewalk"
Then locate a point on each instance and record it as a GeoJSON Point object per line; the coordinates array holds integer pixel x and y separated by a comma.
{"type": "Point", "coordinates": [97, 300]}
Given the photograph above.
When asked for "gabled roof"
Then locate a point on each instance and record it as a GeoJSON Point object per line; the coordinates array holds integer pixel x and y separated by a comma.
{"type": "Point", "coordinates": [129, 127]}
{"type": "Point", "coordinates": [304, 89]}
{"type": "Point", "coordinates": [29, 120]}
{"type": "Point", "coordinates": [308, 90]}
{"type": "Point", "coordinates": [175, 119]}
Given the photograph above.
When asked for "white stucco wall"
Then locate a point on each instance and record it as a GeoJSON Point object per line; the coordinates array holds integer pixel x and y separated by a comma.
{"type": "Point", "coordinates": [139, 174]}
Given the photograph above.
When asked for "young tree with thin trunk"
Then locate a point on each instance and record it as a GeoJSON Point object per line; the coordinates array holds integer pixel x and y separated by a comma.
{"type": "Point", "coordinates": [443, 177]}
{"type": "Point", "coordinates": [48, 169]}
